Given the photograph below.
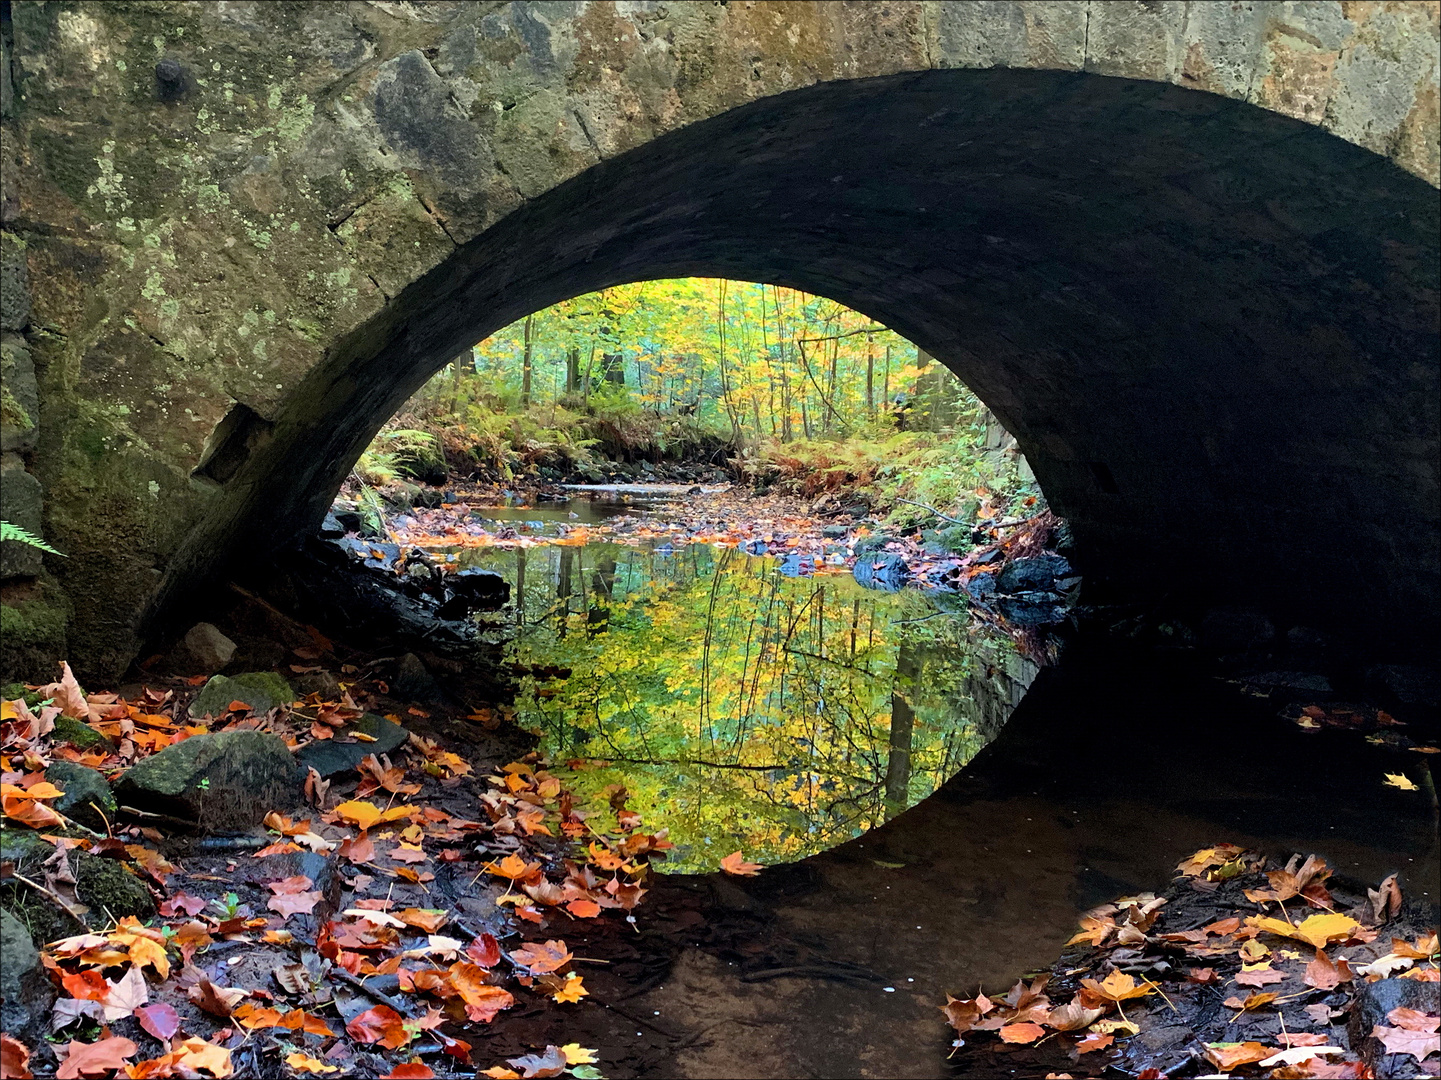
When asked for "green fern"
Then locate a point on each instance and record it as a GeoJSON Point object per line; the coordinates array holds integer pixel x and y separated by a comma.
{"type": "Point", "coordinates": [21, 536]}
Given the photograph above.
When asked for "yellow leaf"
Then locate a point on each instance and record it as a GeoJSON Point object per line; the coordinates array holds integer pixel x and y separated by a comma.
{"type": "Point", "coordinates": [570, 993]}
{"type": "Point", "coordinates": [575, 1054]}
{"type": "Point", "coordinates": [305, 1063]}
{"type": "Point", "coordinates": [143, 951]}
{"type": "Point", "coordinates": [1118, 986]}
{"type": "Point", "coordinates": [359, 813]}
{"type": "Point", "coordinates": [1398, 780]}
{"type": "Point", "coordinates": [1315, 931]}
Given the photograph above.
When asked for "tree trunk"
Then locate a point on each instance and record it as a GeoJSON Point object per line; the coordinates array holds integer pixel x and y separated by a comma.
{"type": "Point", "coordinates": [903, 722]}
{"type": "Point", "coordinates": [527, 362]}
{"type": "Point", "coordinates": [870, 376]}
{"type": "Point", "coordinates": [572, 369]}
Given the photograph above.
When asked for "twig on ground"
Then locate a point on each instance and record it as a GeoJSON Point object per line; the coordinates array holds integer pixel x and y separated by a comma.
{"type": "Point", "coordinates": [54, 897]}
{"type": "Point", "coordinates": [932, 509]}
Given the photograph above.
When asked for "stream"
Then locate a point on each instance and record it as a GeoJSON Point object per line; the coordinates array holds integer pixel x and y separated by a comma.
{"type": "Point", "coordinates": [745, 702]}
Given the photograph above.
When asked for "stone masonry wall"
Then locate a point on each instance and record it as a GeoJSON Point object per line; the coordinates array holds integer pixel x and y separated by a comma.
{"type": "Point", "coordinates": [207, 197]}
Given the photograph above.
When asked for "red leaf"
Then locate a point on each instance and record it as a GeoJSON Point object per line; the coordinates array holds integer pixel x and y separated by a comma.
{"type": "Point", "coordinates": [159, 1019]}
{"type": "Point", "coordinates": [14, 1059]}
{"type": "Point", "coordinates": [484, 950]}
{"type": "Point", "coordinates": [411, 1070]}
{"type": "Point", "coordinates": [87, 985]}
{"type": "Point", "coordinates": [380, 1024]}
{"type": "Point", "coordinates": [191, 905]}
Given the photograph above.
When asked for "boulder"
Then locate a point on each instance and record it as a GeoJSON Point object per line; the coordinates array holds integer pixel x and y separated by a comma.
{"type": "Point", "coordinates": [87, 799]}
{"type": "Point", "coordinates": [26, 995]}
{"type": "Point", "coordinates": [261, 690]}
{"type": "Point", "coordinates": [203, 650]}
{"type": "Point", "coordinates": [223, 781]}
{"type": "Point", "coordinates": [1036, 574]}
{"type": "Point", "coordinates": [885, 570]}
{"type": "Point", "coordinates": [331, 756]}
{"type": "Point", "coordinates": [1374, 1000]}
{"type": "Point", "coordinates": [1231, 630]}
{"type": "Point", "coordinates": [104, 887]}
{"type": "Point", "coordinates": [413, 681]}
{"type": "Point", "coordinates": [79, 734]}
{"type": "Point", "coordinates": [21, 501]}
{"type": "Point", "coordinates": [19, 398]}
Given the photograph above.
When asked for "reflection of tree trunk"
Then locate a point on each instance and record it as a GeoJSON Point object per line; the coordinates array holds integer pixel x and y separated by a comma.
{"type": "Point", "coordinates": [903, 721]}
{"type": "Point", "coordinates": [602, 583]}
{"type": "Point", "coordinates": [520, 586]}
{"type": "Point", "coordinates": [562, 589]}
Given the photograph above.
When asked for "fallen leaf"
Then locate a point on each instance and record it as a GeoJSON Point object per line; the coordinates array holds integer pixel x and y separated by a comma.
{"type": "Point", "coordinates": [1399, 780]}
{"type": "Point", "coordinates": [1227, 1056]}
{"type": "Point", "coordinates": [1413, 1019]}
{"type": "Point", "coordinates": [1399, 1040]}
{"type": "Point", "coordinates": [482, 1000]}
{"type": "Point", "coordinates": [1094, 1042]}
{"type": "Point", "coordinates": [735, 864]}
{"type": "Point", "coordinates": [1072, 1017]}
{"type": "Point", "coordinates": [1259, 975]}
{"type": "Point", "coordinates": [410, 1070]}
{"type": "Point", "coordinates": [127, 994]}
{"type": "Point", "coordinates": [428, 919]}
{"type": "Point", "coordinates": [1298, 1055]}
{"type": "Point", "coordinates": [195, 1053]}
{"type": "Point", "coordinates": [1118, 986]}
{"type": "Point", "coordinates": [575, 1054]}
{"type": "Point", "coordinates": [305, 1063]}
{"type": "Point", "coordinates": [1385, 899]}
{"type": "Point", "coordinates": [217, 1000]}
{"type": "Point", "coordinates": [94, 1059]}
{"type": "Point", "coordinates": [14, 1058]}
{"type": "Point", "coordinates": [1322, 974]}
{"type": "Point", "coordinates": [159, 1019]}
{"type": "Point", "coordinates": [538, 957]}
{"type": "Point", "coordinates": [288, 904]}
{"type": "Point", "coordinates": [380, 1024]}
{"type": "Point", "coordinates": [407, 853]}
{"type": "Point", "coordinates": [1021, 1033]}
{"type": "Point", "coordinates": [1317, 930]}
{"type": "Point", "coordinates": [550, 1063]}
{"type": "Point", "coordinates": [571, 992]}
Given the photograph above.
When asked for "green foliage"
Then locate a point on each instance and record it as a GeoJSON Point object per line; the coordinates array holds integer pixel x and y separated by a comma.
{"type": "Point", "coordinates": [399, 452]}
{"type": "Point", "coordinates": [21, 536]}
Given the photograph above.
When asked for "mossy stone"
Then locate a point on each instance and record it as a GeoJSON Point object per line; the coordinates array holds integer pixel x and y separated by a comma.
{"type": "Point", "coordinates": [331, 756]}
{"type": "Point", "coordinates": [224, 780]}
{"type": "Point", "coordinates": [261, 690]}
{"type": "Point", "coordinates": [79, 734]}
{"type": "Point", "coordinates": [25, 994]}
{"type": "Point", "coordinates": [111, 889]}
{"type": "Point", "coordinates": [87, 799]}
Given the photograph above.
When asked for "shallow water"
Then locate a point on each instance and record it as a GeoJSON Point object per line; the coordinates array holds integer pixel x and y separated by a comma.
{"type": "Point", "coordinates": [742, 705]}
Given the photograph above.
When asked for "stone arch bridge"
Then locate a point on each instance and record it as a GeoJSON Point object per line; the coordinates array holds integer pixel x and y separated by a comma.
{"type": "Point", "coordinates": [1187, 250]}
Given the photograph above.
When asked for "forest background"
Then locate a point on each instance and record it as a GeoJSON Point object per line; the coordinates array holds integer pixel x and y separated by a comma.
{"type": "Point", "coordinates": [776, 388]}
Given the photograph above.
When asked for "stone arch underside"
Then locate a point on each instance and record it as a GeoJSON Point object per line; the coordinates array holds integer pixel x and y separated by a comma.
{"type": "Point", "coordinates": [1211, 328]}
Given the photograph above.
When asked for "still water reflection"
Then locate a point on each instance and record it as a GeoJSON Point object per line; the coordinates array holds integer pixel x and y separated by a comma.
{"type": "Point", "coordinates": [742, 707]}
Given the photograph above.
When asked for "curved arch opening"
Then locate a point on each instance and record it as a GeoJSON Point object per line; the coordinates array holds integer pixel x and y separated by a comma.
{"type": "Point", "coordinates": [759, 553]}
{"type": "Point", "coordinates": [1210, 328]}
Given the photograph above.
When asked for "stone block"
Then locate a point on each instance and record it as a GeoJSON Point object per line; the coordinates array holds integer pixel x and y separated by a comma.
{"type": "Point", "coordinates": [26, 995]}
{"type": "Point", "coordinates": [14, 284]}
{"type": "Point", "coordinates": [19, 397]}
{"type": "Point", "coordinates": [87, 799]}
{"type": "Point", "coordinates": [335, 755]}
{"type": "Point", "coordinates": [21, 503]}
{"type": "Point", "coordinates": [221, 781]}
{"type": "Point", "coordinates": [261, 690]}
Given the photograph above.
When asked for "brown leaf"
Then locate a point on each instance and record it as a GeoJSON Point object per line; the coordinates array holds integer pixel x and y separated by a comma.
{"type": "Point", "coordinates": [1227, 1056]}
{"type": "Point", "coordinates": [288, 904]}
{"type": "Point", "coordinates": [94, 1059]}
{"type": "Point", "coordinates": [1260, 975]}
{"type": "Point", "coordinates": [1385, 899]}
{"type": "Point", "coordinates": [1413, 1019]}
{"type": "Point", "coordinates": [1021, 1033]}
{"type": "Point", "coordinates": [14, 1058]}
{"type": "Point", "coordinates": [1398, 1040]}
{"type": "Point", "coordinates": [550, 1063]}
{"type": "Point", "coordinates": [217, 1000]}
{"type": "Point", "coordinates": [1322, 974]}
{"type": "Point", "coordinates": [1094, 1042]}
{"type": "Point", "coordinates": [537, 957]}
{"type": "Point", "coordinates": [963, 1014]}
{"type": "Point", "coordinates": [1072, 1017]}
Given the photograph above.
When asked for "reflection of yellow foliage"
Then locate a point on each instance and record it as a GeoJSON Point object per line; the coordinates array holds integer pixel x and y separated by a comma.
{"type": "Point", "coordinates": [677, 678]}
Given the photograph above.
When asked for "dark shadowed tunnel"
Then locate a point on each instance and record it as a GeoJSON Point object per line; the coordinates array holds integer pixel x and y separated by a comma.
{"type": "Point", "coordinates": [1212, 329]}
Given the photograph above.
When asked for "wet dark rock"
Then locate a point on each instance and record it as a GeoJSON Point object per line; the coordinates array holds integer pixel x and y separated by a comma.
{"type": "Point", "coordinates": [203, 650]}
{"type": "Point", "coordinates": [1306, 682]}
{"type": "Point", "coordinates": [835, 532]}
{"type": "Point", "coordinates": [1407, 682]}
{"type": "Point", "coordinates": [26, 995]}
{"type": "Point", "coordinates": [220, 781]}
{"type": "Point", "coordinates": [336, 755]}
{"type": "Point", "coordinates": [413, 681]}
{"type": "Point", "coordinates": [1031, 608]}
{"type": "Point", "coordinates": [1231, 630]}
{"type": "Point", "coordinates": [883, 570]}
{"type": "Point", "coordinates": [87, 799]}
{"type": "Point", "coordinates": [261, 690]}
{"type": "Point", "coordinates": [1036, 574]}
{"type": "Point", "coordinates": [332, 528]}
{"type": "Point", "coordinates": [1373, 1001]}
{"type": "Point", "coordinates": [874, 542]}
{"type": "Point", "coordinates": [981, 586]}
{"type": "Point", "coordinates": [323, 683]}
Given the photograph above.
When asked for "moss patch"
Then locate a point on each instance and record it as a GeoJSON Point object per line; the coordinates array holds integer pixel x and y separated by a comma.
{"type": "Point", "coordinates": [33, 633]}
